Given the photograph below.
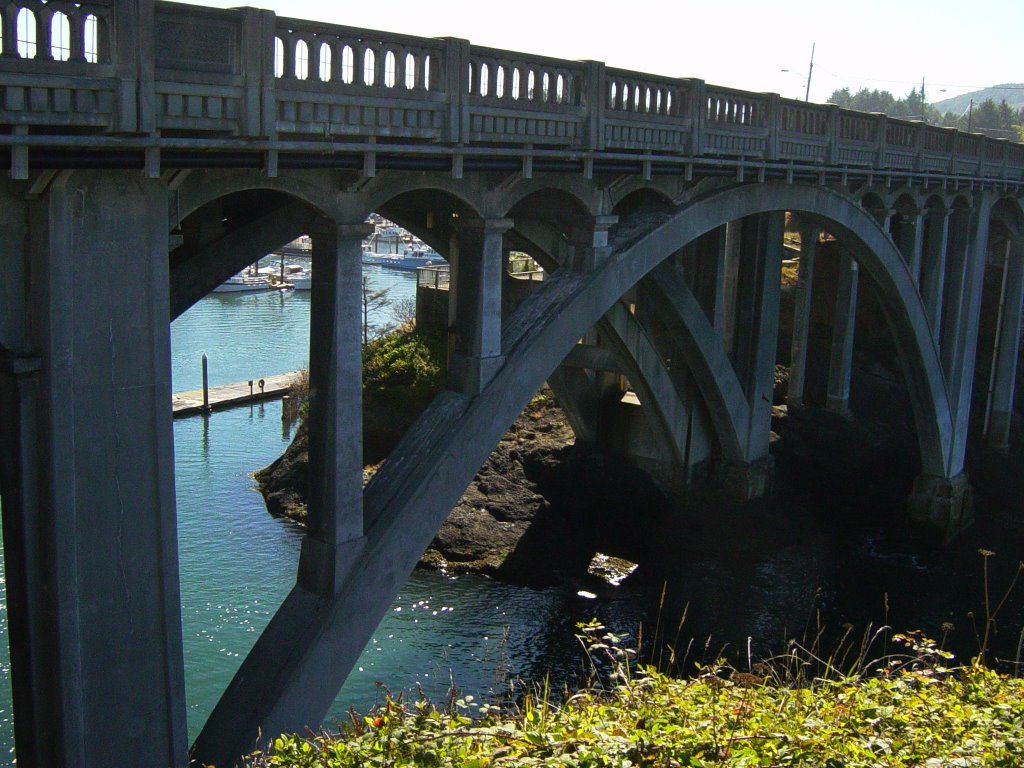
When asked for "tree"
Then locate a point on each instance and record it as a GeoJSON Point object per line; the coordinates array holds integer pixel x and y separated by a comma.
{"type": "Point", "coordinates": [373, 302]}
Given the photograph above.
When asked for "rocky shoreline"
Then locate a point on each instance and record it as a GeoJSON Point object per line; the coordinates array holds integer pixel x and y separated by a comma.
{"type": "Point", "coordinates": [536, 512]}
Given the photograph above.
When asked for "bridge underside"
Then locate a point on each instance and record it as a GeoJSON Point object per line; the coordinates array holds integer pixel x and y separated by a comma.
{"type": "Point", "coordinates": [672, 287]}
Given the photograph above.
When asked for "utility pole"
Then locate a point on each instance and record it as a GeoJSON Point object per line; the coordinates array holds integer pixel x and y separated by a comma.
{"type": "Point", "coordinates": [970, 117]}
{"type": "Point", "coordinates": [810, 71]}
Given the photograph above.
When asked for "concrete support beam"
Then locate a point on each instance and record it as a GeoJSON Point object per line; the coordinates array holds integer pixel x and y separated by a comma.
{"type": "Point", "coordinates": [802, 317]}
{"type": "Point", "coordinates": [107, 548]}
{"type": "Point", "coordinates": [933, 267]}
{"type": "Point", "coordinates": [335, 421]}
{"type": "Point", "coordinates": [757, 322]}
{"type": "Point", "coordinates": [1007, 351]}
{"type": "Point", "coordinates": [841, 360]}
{"type": "Point", "coordinates": [477, 290]}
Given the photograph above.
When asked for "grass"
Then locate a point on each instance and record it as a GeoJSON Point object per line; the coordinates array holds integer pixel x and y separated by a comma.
{"type": "Point", "coordinates": [906, 710]}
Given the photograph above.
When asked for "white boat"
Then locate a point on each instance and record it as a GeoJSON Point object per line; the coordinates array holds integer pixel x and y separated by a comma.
{"type": "Point", "coordinates": [298, 277]}
{"type": "Point", "coordinates": [246, 282]}
{"type": "Point", "coordinates": [410, 258]}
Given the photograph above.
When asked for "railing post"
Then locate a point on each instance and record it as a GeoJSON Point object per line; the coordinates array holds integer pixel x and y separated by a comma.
{"type": "Point", "coordinates": [456, 80]}
{"type": "Point", "coordinates": [257, 65]}
{"type": "Point", "coordinates": [918, 145]}
{"type": "Point", "coordinates": [834, 130]}
{"type": "Point", "coordinates": [771, 148]}
{"type": "Point", "coordinates": [695, 109]}
{"type": "Point", "coordinates": [595, 94]}
{"type": "Point", "coordinates": [132, 53]}
{"type": "Point", "coordinates": [881, 125]}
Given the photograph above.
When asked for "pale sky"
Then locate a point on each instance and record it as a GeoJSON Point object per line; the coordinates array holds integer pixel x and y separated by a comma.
{"type": "Point", "coordinates": [954, 45]}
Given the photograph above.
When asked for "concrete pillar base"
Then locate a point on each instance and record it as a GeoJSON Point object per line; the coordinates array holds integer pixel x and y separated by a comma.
{"type": "Point", "coordinates": [999, 426]}
{"type": "Point", "coordinates": [839, 406]}
{"type": "Point", "coordinates": [745, 481]}
{"type": "Point", "coordinates": [470, 375]}
{"type": "Point", "coordinates": [940, 508]}
{"type": "Point", "coordinates": [323, 568]}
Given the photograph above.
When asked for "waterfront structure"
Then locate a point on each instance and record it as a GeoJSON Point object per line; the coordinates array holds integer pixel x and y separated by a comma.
{"type": "Point", "coordinates": [155, 149]}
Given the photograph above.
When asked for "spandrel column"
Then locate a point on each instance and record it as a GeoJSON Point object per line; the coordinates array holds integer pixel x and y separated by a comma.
{"type": "Point", "coordinates": [802, 317]}
{"type": "Point", "coordinates": [1008, 350]}
{"type": "Point", "coordinates": [933, 267]}
{"type": "Point", "coordinates": [335, 421]}
{"type": "Point", "coordinates": [841, 362]}
{"type": "Point", "coordinates": [477, 354]}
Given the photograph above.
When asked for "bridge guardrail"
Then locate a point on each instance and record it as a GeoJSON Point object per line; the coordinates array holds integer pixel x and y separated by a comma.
{"type": "Point", "coordinates": [98, 69]}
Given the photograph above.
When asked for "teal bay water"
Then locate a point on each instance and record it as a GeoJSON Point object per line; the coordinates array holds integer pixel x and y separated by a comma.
{"type": "Point", "coordinates": [237, 563]}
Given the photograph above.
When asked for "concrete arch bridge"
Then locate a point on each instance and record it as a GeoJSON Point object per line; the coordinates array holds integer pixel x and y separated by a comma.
{"type": "Point", "coordinates": [163, 147]}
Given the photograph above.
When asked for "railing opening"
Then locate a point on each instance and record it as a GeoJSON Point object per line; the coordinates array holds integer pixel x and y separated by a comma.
{"type": "Point", "coordinates": [301, 60]}
{"type": "Point", "coordinates": [348, 64]}
{"type": "Point", "coordinates": [499, 86]}
{"type": "Point", "coordinates": [60, 37]}
{"type": "Point", "coordinates": [26, 34]}
{"type": "Point", "coordinates": [389, 69]}
{"type": "Point", "coordinates": [410, 71]}
{"type": "Point", "coordinates": [369, 61]}
{"type": "Point", "coordinates": [278, 57]}
{"type": "Point", "coordinates": [91, 35]}
{"type": "Point", "coordinates": [325, 62]}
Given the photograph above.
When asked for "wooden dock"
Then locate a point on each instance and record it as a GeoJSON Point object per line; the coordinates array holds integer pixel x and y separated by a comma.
{"type": "Point", "coordinates": [232, 395]}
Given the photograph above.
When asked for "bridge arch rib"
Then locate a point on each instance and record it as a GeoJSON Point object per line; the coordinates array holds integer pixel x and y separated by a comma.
{"type": "Point", "coordinates": [292, 674]}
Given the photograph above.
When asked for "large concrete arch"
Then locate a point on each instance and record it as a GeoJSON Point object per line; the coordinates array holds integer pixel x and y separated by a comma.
{"type": "Point", "coordinates": [298, 663]}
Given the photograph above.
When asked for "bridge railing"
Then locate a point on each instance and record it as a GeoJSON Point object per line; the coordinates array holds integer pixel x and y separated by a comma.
{"type": "Point", "coordinates": [523, 99]}
{"type": "Point", "coordinates": [330, 80]}
{"type": "Point", "coordinates": [189, 71]}
{"type": "Point", "coordinates": [56, 65]}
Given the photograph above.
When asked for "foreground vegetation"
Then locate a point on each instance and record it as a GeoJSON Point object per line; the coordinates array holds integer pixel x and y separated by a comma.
{"type": "Point", "coordinates": [907, 710]}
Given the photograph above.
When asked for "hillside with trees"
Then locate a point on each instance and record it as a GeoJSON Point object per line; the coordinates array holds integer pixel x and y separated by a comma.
{"type": "Point", "coordinates": [999, 120]}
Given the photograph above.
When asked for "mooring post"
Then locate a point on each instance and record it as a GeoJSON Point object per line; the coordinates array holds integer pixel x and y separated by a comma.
{"type": "Point", "coordinates": [206, 384]}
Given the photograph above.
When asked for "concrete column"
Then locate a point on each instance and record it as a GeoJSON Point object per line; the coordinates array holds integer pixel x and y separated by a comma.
{"type": "Point", "coordinates": [933, 267]}
{"type": "Point", "coordinates": [841, 361]}
{"type": "Point", "coordinates": [708, 279]}
{"type": "Point", "coordinates": [335, 502]}
{"type": "Point", "coordinates": [954, 298]}
{"type": "Point", "coordinates": [28, 551]}
{"type": "Point", "coordinates": [730, 279]}
{"type": "Point", "coordinates": [477, 354]}
{"type": "Point", "coordinates": [912, 243]}
{"type": "Point", "coordinates": [589, 242]}
{"type": "Point", "coordinates": [802, 317]}
{"type": "Point", "coordinates": [105, 466]}
{"type": "Point", "coordinates": [757, 322]}
{"type": "Point", "coordinates": [1008, 350]}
